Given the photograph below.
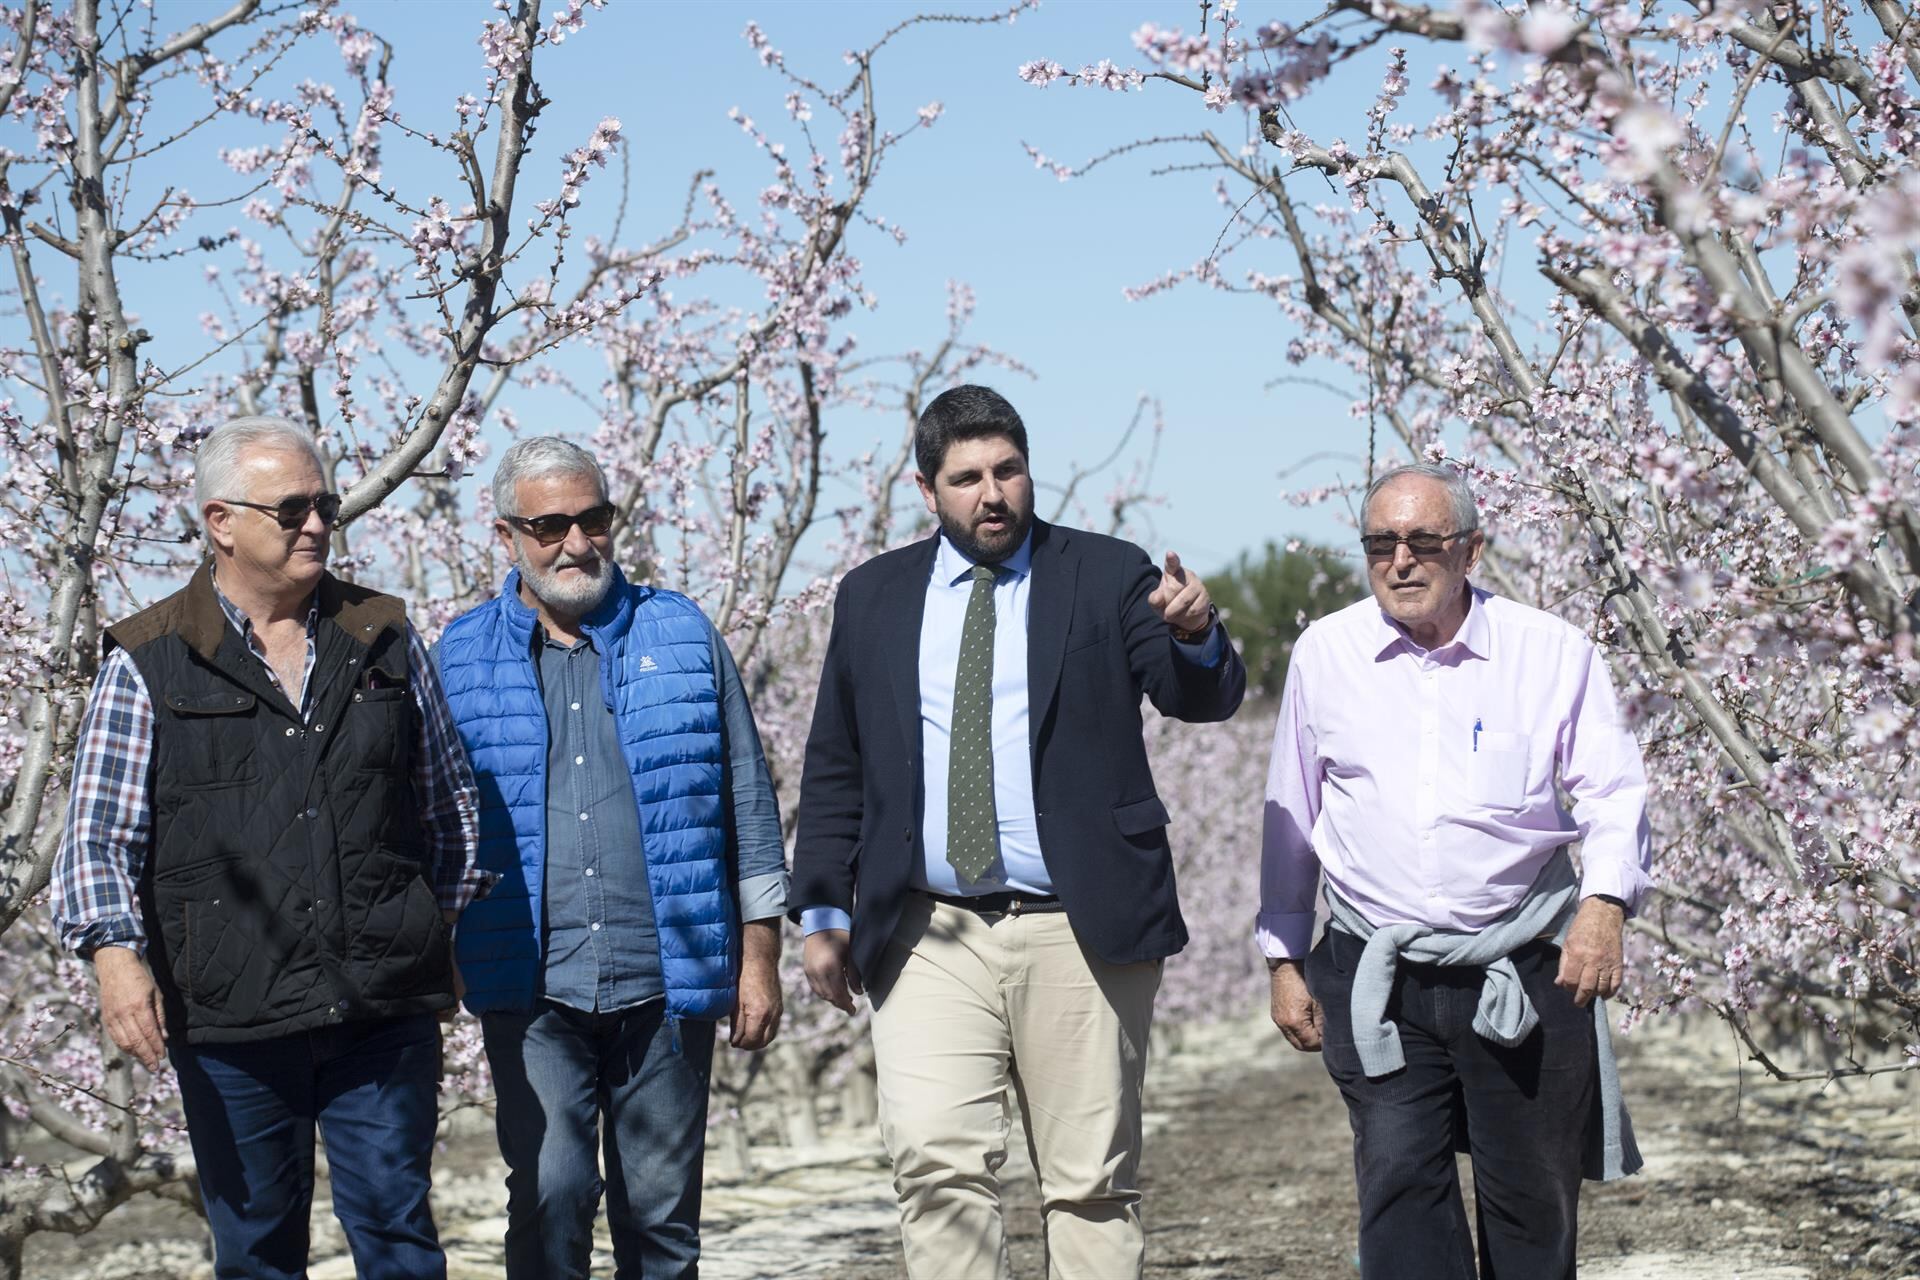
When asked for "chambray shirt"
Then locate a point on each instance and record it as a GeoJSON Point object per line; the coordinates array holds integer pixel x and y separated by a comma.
{"type": "Point", "coordinates": [1021, 865]}
{"type": "Point", "coordinates": [602, 949]}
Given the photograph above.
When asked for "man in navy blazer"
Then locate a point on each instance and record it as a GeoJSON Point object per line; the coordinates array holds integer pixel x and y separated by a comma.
{"type": "Point", "coordinates": [981, 847]}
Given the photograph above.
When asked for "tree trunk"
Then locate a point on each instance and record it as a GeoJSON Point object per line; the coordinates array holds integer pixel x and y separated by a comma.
{"type": "Point", "coordinates": [800, 1104]}
{"type": "Point", "coordinates": [730, 1138]}
{"type": "Point", "coordinates": [860, 1096]}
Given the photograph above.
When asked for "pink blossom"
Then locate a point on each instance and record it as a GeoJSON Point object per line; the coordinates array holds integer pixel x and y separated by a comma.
{"type": "Point", "coordinates": [1041, 72]}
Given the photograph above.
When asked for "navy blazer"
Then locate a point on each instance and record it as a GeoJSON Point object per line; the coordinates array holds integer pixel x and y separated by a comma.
{"type": "Point", "coordinates": [1094, 646]}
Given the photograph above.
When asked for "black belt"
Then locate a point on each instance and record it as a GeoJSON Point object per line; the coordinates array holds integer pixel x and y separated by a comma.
{"type": "Point", "coordinates": [1010, 903]}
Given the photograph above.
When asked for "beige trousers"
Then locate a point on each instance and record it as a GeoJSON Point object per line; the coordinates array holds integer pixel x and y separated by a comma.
{"type": "Point", "coordinates": [981, 1003]}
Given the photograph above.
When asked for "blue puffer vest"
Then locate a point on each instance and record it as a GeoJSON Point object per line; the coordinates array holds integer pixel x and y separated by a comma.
{"type": "Point", "coordinates": [656, 672]}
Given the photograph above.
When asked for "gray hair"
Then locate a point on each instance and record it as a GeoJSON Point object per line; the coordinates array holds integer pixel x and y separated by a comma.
{"type": "Point", "coordinates": [540, 456]}
{"type": "Point", "coordinates": [217, 460]}
{"type": "Point", "coordinates": [1466, 516]}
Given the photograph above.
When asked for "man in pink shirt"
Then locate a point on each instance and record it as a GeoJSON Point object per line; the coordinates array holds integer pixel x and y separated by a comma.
{"type": "Point", "coordinates": [1457, 992]}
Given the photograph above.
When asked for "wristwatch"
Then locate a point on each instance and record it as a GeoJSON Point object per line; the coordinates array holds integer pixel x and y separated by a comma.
{"type": "Point", "coordinates": [1195, 636]}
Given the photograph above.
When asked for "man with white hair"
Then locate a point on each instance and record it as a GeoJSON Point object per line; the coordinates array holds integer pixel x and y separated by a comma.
{"type": "Point", "coordinates": [269, 835]}
{"type": "Point", "coordinates": [626, 806]}
{"type": "Point", "coordinates": [1425, 738]}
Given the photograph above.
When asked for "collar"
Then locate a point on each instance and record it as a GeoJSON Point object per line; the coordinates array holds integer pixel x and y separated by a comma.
{"type": "Point", "coordinates": [1475, 634]}
{"type": "Point", "coordinates": [950, 564]}
{"type": "Point", "coordinates": [543, 639]}
{"type": "Point", "coordinates": [243, 624]}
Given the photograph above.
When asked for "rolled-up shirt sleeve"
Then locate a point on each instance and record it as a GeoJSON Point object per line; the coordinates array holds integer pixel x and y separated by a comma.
{"type": "Point", "coordinates": [1289, 868]}
{"type": "Point", "coordinates": [444, 786]}
{"type": "Point", "coordinates": [760, 860]}
{"type": "Point", "coordinates": [1601, 769]}
{"type": "Point", "coordinates": [108, 833]}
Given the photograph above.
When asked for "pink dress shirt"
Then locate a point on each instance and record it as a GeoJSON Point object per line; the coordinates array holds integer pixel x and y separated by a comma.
{"type": "Point", "coordinates": [1423, 782]}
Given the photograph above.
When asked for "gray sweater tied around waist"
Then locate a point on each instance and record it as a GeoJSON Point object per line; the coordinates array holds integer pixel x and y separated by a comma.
{"type": "Point", "coordinates": [1505, 1015]}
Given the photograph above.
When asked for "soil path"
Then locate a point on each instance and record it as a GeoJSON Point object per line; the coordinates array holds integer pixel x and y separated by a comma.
{"type": "Point", "coordinates": [1248, 1174]}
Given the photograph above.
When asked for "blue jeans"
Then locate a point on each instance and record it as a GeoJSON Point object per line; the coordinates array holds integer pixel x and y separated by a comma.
{"type": "Point", "coordinates": [251, 1109]}
{"type": "Point", "coordinates": [570, 1085]}
{"type": "Point", "coordinates": [1524, 1112]}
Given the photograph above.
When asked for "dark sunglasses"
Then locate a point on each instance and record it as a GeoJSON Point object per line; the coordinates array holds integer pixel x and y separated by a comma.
{"type": "Point", "coordinates": [549, 529]}
{"type": "Point", "coordinates": [1382, 545]}
{"type": "Point", "coordinates": [291, 513]}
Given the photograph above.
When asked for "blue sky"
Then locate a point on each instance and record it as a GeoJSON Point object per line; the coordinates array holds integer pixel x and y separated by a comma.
{"type": "Point", "coordinates": [1047, 260]}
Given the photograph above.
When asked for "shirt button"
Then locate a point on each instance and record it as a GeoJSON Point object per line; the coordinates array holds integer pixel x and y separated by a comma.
{"type": "Point", "coordinates": [312, 814]}
{"type": "Point", "coordinates": [319, 904]}
{"type": "Point", "coordinates": [576, 706]}
{"type": "Point", "coordinates": [291, 732]}
{"type": "Point", "coordinates": [583, 817]}
{"type": "Point", "coordinates": [1433, 893]}
{"type": "Point", "coordinates": [596, 926]}
{"type": "Point", "coordinates": [589, 870]}
{"type": "Point", "coordinates": [579, 759]}
{"type": "Point", "coordinates": [319, 728]}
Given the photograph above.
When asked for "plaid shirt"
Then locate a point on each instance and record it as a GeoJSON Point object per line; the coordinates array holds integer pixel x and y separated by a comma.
{"type": "Point", "coordinates": [109, 827]}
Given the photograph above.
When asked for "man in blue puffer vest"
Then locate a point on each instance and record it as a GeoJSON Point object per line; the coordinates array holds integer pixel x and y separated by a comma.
{"type": "Point", "coordinates": [626, 809]}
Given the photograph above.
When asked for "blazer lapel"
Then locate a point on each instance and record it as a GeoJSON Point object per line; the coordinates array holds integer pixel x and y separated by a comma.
{"type": "Point", "coordinates": [899, 639]}
{"type": "Point", "coordinates": [1049, 611]}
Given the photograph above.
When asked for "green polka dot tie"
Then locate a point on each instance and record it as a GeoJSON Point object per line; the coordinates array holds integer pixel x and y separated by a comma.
{"type": "Point", "coordinates": [973, 826]}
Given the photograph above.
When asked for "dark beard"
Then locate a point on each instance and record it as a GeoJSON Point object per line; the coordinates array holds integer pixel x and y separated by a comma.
{"type": "Point", "coordinates": [1002, 546]}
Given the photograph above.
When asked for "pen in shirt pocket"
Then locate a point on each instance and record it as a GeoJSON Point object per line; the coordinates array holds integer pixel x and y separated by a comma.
{"type": "Point", "coordinates": [1476, 733]}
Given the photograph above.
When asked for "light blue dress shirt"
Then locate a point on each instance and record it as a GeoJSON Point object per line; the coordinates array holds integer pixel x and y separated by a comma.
{"type": "Point", "coordinates": [1021, 865]}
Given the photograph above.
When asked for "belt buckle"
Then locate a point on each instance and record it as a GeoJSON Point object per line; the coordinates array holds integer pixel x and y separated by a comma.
{"type": "Point", "coordinates": [1013, 906]}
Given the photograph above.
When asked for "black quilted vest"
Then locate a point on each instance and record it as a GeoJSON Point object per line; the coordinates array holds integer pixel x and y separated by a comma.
{"type": "Point", "coordinates": [287, 884]}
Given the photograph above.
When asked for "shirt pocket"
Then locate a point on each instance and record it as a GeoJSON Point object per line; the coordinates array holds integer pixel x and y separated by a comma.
{"type": "Point", "coordinates": [1497, 770]}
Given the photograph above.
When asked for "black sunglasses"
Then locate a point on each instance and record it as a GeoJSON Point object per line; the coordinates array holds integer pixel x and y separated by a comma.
{"type": "Point", "coordinates": [1421, 543]}
{"type": "Point", "coordinates": [291, 513]}
{"type": "Point", "coordinates": [549, 529]}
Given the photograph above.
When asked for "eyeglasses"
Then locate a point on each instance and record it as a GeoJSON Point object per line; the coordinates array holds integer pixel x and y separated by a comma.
{"type": "Point", "coordinates": [291, 513]}
{"type": "Point", "coordinates": [549, 529]}
{"type": "Point", "coordinates": [1421, 543]}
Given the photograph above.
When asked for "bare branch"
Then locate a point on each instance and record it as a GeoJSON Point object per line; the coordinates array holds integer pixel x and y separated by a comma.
{"type": "Point", "coordinates": [518, 110]}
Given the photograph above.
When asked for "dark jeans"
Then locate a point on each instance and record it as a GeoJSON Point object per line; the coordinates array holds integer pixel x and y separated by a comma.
{"type": "Point", "coordinates": [571, 1084]}
{"type": "Point", "coordinates": [251, 1110]}
{"type": "Point", "coordinates": [1525, 1112]}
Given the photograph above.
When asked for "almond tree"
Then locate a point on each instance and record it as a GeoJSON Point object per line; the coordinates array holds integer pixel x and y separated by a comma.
{"type": "Point", "coordinates": [95, 512]}
{"type": "Point", "coordinates": [387, 282]}
{"type": "Point", "coordinates": [1648, 271]}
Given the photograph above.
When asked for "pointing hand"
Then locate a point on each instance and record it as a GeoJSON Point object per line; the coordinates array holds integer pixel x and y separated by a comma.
{"type": "Point", "coordinates": [1181, 598]}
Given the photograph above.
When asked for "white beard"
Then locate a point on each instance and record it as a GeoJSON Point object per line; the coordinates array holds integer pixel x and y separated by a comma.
{"type": "Point", "coordinates": [576, 594]}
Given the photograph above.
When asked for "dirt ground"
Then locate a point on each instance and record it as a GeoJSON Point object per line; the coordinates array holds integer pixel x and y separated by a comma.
{"type": "Point", "coordinates": [1248, 1173]}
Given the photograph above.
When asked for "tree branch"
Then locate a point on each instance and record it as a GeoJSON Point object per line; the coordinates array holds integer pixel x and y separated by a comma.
{"type": "Point", "coordinates": [477, 316]}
